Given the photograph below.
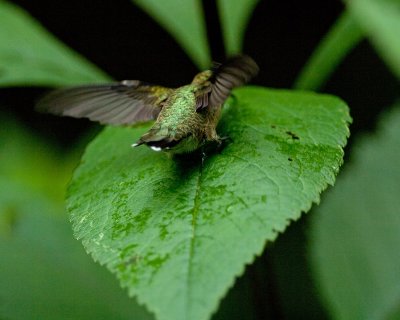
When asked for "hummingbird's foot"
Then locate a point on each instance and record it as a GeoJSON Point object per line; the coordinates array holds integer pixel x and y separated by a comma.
{"type": "Point", "coordinates": [203, 156]}
{"type": "Point", "coordinates": [216, 145]}
{"type": "Point", "coordinates": [222, 142]}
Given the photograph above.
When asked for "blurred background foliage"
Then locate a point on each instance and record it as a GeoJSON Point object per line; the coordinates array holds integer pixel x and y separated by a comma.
{"type": "Point", "coordinates": [353, 52]}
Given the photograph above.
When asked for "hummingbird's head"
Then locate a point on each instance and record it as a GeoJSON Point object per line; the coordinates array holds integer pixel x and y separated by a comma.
{"type": "Point", "coordinates": [202, 77]}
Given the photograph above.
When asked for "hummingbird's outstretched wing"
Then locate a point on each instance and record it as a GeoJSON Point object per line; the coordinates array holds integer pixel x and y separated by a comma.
{"type": "Point", "coordinates": [235, 72]}
{"type": "Point", "coordinates": [125, 102]}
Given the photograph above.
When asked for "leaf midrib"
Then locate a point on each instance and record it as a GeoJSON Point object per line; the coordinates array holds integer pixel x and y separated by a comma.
{"type": "Point", "coordinates": [196, 206]}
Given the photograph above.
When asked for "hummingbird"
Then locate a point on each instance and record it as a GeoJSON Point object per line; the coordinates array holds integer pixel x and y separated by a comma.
{"type": "Point", "coordinates": [185, 117]}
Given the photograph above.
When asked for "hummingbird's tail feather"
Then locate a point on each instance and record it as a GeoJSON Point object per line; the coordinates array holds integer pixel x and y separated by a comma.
{"type": "Point", "coordinates": [157, 140]}
{"type": "Point", "coordinates": [137, 144]}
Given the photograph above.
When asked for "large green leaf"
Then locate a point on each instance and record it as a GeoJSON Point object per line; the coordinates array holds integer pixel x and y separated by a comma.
{"type": "Point", "coordinates": [234, 15]}
{"type": "Point", "coordinates": [380, 19]}
{"type": "Point", "coordinates": [344, 35]}
{"type": "Point", "coordinates": [176, 232]}
{"type": "Point", "coordinates": [355, 235]}
{"type": "Point", "coordinates": [44, 273]}
{"type": "Point", "coordinates": [184, 20]}
{"type": "Point", "coordinates": [45, 161]}
{"type": "Point", "coordinates": [29, 55]}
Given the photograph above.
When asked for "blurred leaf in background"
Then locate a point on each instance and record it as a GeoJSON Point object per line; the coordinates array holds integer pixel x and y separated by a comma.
{"type": "Point", "coordinates": [190, 30]}
{"type": "Point", "coordinates": [44, 272]}
{"type": "Point", "coordinates": [234, 16]}
{"type": "Point", "coordinates": [185, 21]}
{"type": "Point", "coordinates": [343, 36]}
{"type": "Point", "coordinates": [379, 21]}
{"type": "Point", "coordinates": [29, 55]}
{"type": "Point", "coordinates": [355, 234]}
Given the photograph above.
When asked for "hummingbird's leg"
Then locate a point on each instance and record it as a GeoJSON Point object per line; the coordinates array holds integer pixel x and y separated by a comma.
{"type": "Point", "coordinates": [222, 140]}
{"type": "Point", "coordinates": [216, 144]}
{"type": "Point", "coordinates": [203, 155]}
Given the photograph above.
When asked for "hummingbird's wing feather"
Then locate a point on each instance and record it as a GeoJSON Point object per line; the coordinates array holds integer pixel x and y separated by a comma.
{"type": "Point", "coordinates": [235, 72]}
{"type": "Point", "coordinates": [126, 102]}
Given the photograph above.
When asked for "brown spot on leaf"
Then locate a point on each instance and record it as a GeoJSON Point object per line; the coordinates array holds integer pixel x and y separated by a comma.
{"type": "Point", "coordinates": [293, 135]}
